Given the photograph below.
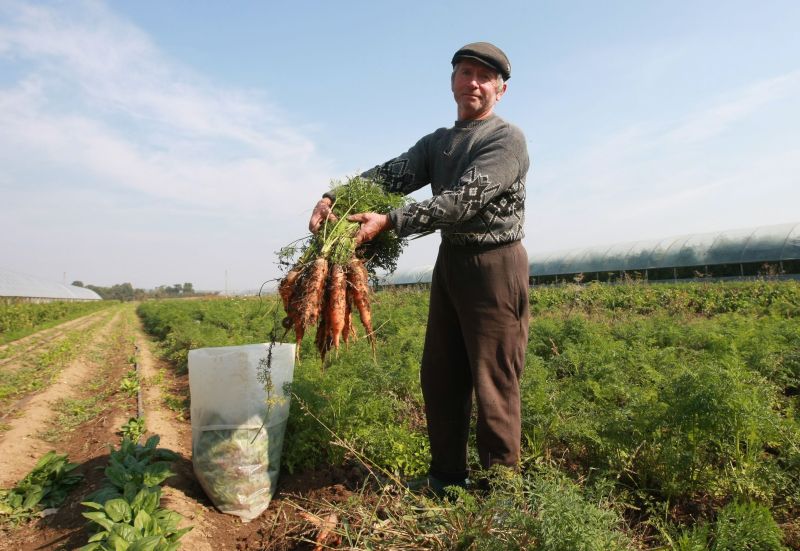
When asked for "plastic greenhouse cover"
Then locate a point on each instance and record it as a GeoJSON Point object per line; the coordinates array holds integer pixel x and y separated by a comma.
{"type": "Point", "coordinates": [761, 244]}
{"type": "Point", "coordinates": [412, 276]}
{"type": "Point", "coordinates": [14, 284]}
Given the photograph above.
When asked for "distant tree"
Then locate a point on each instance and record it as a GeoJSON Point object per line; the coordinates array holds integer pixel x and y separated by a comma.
{"type": "Point", "coordinates": [77, 283]}
{"type": "Point", "coordinates": [126, 291]}
{"type": "Point", "coordinates": [120, 291]}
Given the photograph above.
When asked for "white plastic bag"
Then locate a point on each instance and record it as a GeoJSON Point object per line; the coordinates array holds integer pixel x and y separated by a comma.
{"type": "Point", "coordinates": [238, 422]}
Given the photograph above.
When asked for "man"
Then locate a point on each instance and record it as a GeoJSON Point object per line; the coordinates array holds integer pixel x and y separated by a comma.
{"type": "Point", "coordinates": [478, 320]}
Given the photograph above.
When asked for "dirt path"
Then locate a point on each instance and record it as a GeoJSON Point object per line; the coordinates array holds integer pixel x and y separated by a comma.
{"type": "Point", "coordinates": [175, 435]}
{"type": "Point", "coordinates": [20, 447]}
{"type": "Point", "coordinates": [108, 359]}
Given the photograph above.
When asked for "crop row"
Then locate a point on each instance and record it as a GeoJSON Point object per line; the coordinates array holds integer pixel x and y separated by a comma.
{"type": "Point", "coordinates": [675, 404]}
{"type": "Point", "coordinates": [20, 319]}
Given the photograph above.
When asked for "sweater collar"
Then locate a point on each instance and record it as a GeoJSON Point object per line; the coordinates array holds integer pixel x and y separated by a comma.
{"type": "Point", "coordinates": [474, 124]}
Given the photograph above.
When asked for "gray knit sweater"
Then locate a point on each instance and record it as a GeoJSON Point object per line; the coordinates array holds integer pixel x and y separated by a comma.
{"type": "Point", "coordinates": [476, 170]}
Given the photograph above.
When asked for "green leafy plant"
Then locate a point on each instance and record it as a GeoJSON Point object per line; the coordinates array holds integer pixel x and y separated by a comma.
{"type": "Point", "coordinates": [134, 466]}
{"type": "Point", "coordinates": [134, 429]}
{"type": "Point", "coordinates": [746, 526]}
{"type": "Point", "coordinates": [138, 524]}
{"type": "Point", "coordinates": [46, 486]}
{"type": "Point", "coordinates": [130, 383]}
{"type": "Point", "coordinates": [125, 513]}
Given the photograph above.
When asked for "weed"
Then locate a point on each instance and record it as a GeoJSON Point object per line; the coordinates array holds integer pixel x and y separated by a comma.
{"type": "Point", "coordinates": [178, 404]}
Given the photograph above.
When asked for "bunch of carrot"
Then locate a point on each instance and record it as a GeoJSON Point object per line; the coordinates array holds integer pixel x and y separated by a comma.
{"type": "Point", "coordinates": [330, 279]}
{"type": "Point", "coordinates": [323, 293]}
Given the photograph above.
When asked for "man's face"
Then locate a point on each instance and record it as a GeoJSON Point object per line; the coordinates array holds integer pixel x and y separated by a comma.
{"type": "Point", "coordinates": [474, 88]}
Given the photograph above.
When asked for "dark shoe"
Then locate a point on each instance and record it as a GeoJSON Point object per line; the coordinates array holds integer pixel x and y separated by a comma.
{"type": "Point", "coordinates": [432, 486]}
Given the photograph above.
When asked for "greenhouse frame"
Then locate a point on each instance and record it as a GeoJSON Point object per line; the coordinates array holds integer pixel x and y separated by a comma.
{"type": "Point", "coordinates": [764, 251]}
{"type": "Point", "coordinates": [17, 287]}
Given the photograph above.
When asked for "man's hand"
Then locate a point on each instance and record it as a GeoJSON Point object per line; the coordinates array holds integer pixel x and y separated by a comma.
{"type": "Point", "coordinates": [322, 212]}
{"type": "Point", "coordinates": [372, 224]}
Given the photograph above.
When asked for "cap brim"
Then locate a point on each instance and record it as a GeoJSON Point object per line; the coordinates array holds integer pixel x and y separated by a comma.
{"type": "Point", "coordinates": [482, 61]}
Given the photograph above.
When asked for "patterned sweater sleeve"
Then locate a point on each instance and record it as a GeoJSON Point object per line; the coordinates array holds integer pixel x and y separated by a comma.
{"type": "Point", "coordinates": [495, 168]}
{"type": "Point", "coordinates": [408, 172]}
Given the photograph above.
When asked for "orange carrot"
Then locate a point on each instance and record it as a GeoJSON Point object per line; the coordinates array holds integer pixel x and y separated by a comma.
{"type": "Point", "coordinates": [357, 277]}
{"type": "Point", "coordinates": [336, 304]}
{"type": "Point", "coordinates": [321, 340]}
{"type": "Point", "coordinates": [286, 287]}
{"type": "Point", "coordinates": [314, 287]}
{"type": "Point", "coordinates": [349, 331]}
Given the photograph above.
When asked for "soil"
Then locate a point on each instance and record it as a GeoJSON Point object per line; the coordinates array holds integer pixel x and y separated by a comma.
{"type": "Point", "coordinates": [282, 527]}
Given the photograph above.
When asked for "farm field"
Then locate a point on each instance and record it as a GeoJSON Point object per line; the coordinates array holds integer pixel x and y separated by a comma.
{"type": "Point", "coordinates": [20, 319]}
{"type": "Point", "coordinates": [655, 417]}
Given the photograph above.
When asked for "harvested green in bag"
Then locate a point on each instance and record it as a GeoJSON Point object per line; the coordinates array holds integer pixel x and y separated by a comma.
{"type": "Point", "coordinates": [331, 274]}
{"type": "Point", "coordinates": [232, 466]}
{"type": "Point", "coordinates": [240, 406]}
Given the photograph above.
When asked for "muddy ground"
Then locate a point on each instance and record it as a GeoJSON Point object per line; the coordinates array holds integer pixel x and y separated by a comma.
{"type": "Point", "coordinates": [116, 344]}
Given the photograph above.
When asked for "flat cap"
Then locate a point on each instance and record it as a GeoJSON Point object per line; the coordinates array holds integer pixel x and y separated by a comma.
{"type": "Point", "coordinates": [488, 54]}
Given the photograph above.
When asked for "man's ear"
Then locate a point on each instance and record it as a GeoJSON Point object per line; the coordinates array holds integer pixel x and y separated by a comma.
{"type": "Point", "coordinates": [502, 91]}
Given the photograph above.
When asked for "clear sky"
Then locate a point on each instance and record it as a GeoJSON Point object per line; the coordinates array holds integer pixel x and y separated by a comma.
{"type": "Point", "coordinates": [159, 142]}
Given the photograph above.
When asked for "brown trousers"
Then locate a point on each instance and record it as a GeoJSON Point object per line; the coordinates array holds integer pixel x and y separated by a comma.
{"type": "Point", "coordinates": [476, 339]}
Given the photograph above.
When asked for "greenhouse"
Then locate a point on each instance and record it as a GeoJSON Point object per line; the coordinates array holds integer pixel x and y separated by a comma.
{"type": "Point", "coordinates": [772, 251]}
{"type": "Point", "coordinates": [413, 276]}
{"type": "Point", "coordinates": [761, 251]}
{"type": "Point", "coordinates": [22, 287]}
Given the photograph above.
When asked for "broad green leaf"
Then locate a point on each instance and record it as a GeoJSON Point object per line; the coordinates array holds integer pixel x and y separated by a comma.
{"type": "Point", "coordinates": [164, 454]}
{"type": "Point", "coordinates": [155, 474]}
{"type": "Point", "coordinates": [152, 442]}
{"type": "Point", "coordinates": [152, 499]}
{"type": "Point", "coordinates": [126, 532]}
{"type": "Point", "coordinates": [130, 491]}
{"type": "Point", "coordinates": [168, 520]}
{"type": "Point", "coordinates": [148, 543]}
{"type": "Point", "coordinates": [90, 547]}
{"type": "Point", "coordinates": [33, 497]}
{"type": "Point", "coordinates": [118, 475]}
{"type": "Point", "coordinates": [118, 510]}
{"type": "Point", "coordinates": [100, 518]}
{"type": "Point", "coordinates": [104, 494]}
{"type": "Point", "coordinates": [117, 542]}
{"type": "Point", "coordinates": [92, 505]}
{"type": "Point", "coordinates": [46, 460]}
{"type": "Point", "coordinates": [142, 521]}
{"type": "Point", "coordinates": [100, 536]}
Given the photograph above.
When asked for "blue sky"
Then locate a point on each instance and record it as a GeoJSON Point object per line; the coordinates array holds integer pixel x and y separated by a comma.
{"type": "Point", "coordinates": [164, 142]}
